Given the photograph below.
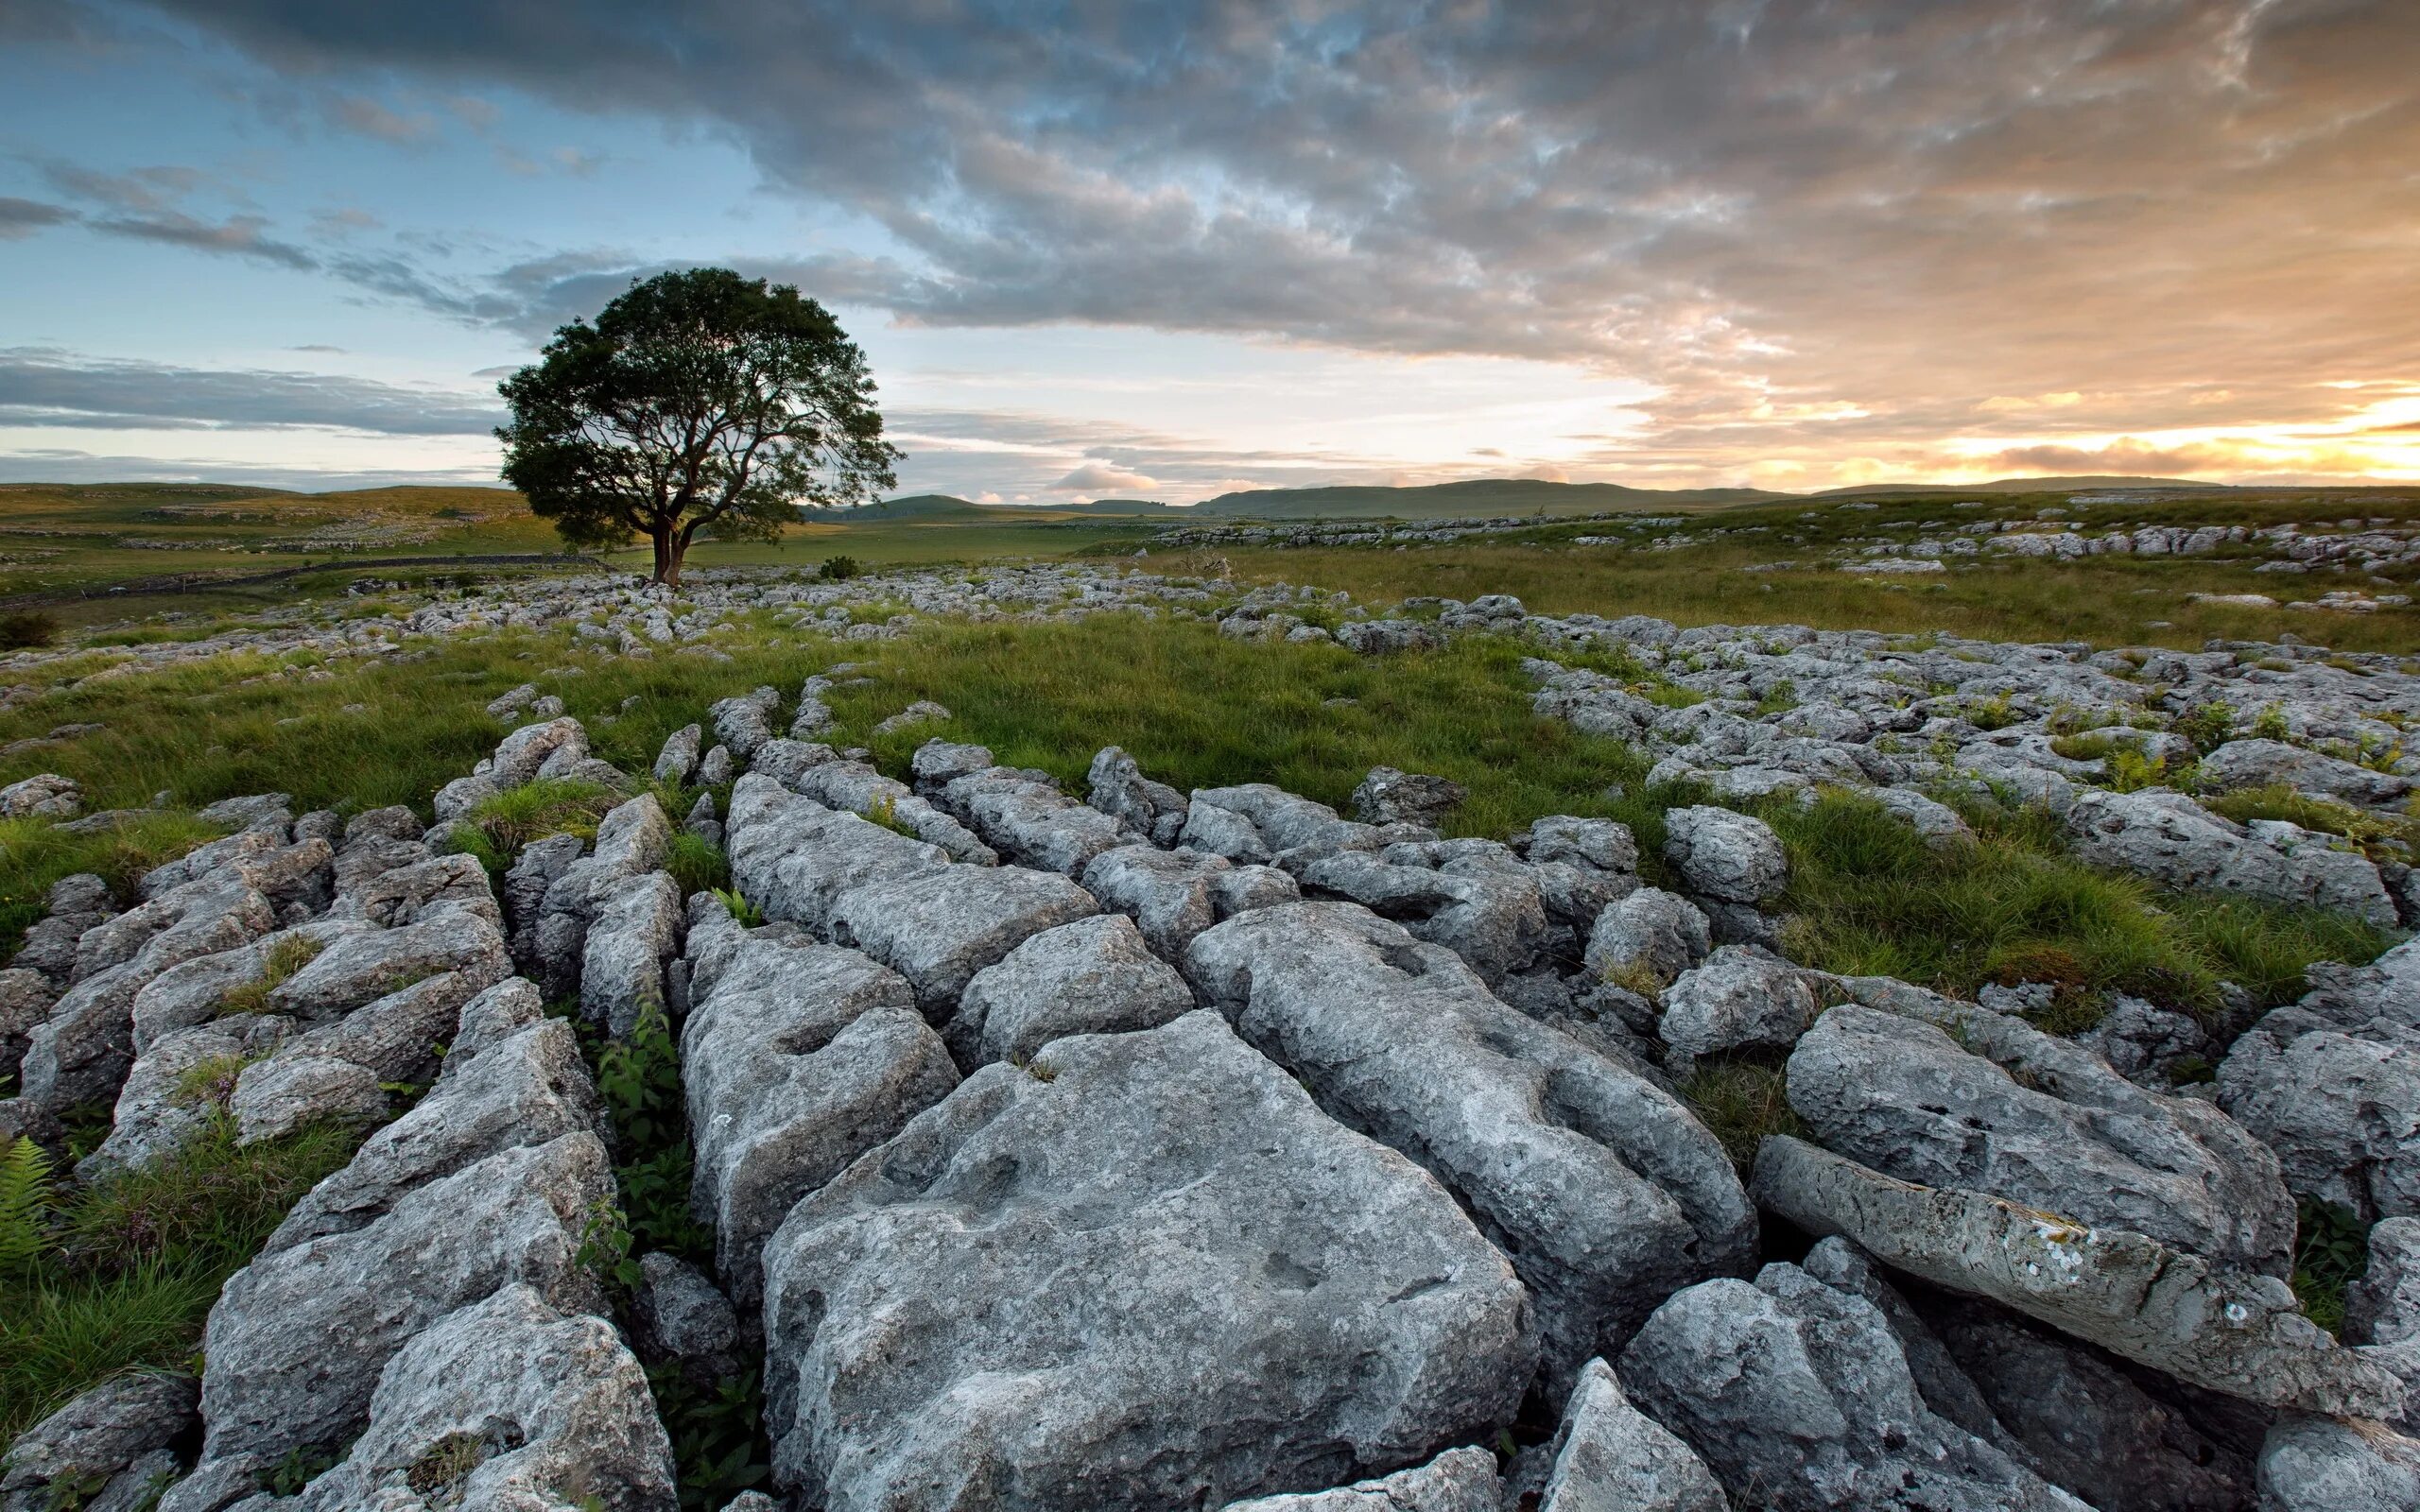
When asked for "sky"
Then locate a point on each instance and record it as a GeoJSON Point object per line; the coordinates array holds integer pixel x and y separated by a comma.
{"type": "Point", "coordinates": [1169, 251]}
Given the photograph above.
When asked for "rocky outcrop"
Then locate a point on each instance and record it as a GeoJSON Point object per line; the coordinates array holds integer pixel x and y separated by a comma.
{"type": "Point", "coordinates": [1093, 976]}
{"type": "Point", "coordinates": [1607, 1195]}
{"type": "Point", "coordinates": [797, 1057]}
{"type": "Point", "coordinates": [1459, 1480]}
{"type": "Point", "coordinates": [1192, 1286]}
{"type": "Point", "coordinates": [2169, 837]}
{"type": "Point", "coordinates": [2233, 1331]}
{"type": "Point", "coordinates": [2007, 1109]}
{"type": "Point", "coordinates": [1798, 1397]}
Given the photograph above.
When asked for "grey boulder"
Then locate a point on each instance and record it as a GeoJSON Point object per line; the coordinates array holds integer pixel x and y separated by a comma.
{"type": "Point", "coordinates": [1093, 976]}
{"type": "Point", "coordinates": [1608, 1456]}
{"type": "Point", "coordinates": [2238, 1332]}
{"type": "Point", "coordinates": [1606, 1193]}
{"type": "Point", "coordinates": [2008, 1110]}
{"type": "Point", "coordinates": [797, 1057]}
{"type": "Point", "coordinates": [1797, 1397]}
{"type": "Point", "coordinates": [1740, 997]}
{"type": "Point", "coordinates": [507, 1403]}
{"type": "Point", "coordinates": [1725, 856]}
{"type": "Point", "coordinates": [1192, 1287]}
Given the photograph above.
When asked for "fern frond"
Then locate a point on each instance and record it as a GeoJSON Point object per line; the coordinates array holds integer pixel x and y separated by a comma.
{"type": "Point", "coordinates": [24, 1195]}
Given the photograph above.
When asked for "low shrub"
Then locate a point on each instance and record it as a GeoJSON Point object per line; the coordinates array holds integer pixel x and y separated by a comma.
{"type": "Point", "coordinates": [840, 569]}
{"type": "Point", "coordinates": [22, 630]}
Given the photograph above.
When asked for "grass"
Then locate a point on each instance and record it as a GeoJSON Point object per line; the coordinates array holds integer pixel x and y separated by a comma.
{"type": "Point", "coordinates": [126, 1271]}
{"type": "Point", "coordinates": [283, 959]}
{"type": "Point", "coordinates": [1741, 1102]}
{"type": "Point", "coordinates": [2379, 836]}
{"type": "Point", "coordinates": [1871, 897]}
{"type": "Point", "coordinates": [498, 828]}
{"type": "Point", "coordinates": [34, 853]}
{"type": "Point", "coordinates": [2109, 601]}
{"type": "Point", "coordinates": [697, 865]}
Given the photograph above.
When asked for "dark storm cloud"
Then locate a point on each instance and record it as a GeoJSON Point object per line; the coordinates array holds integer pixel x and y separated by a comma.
{"type": "Point", "coordinates": [44, 386]}
{"type": "Point", "coordinates": [1778, 212]}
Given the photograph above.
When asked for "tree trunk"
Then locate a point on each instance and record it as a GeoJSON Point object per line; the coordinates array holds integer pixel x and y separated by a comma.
{"type": "Point", "coordinates": [670, 546]}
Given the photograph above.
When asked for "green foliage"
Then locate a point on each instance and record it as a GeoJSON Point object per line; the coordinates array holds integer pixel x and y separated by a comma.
{"type": "Point", "coordinates": [1993, 713]}
{"type": "Point", "coordinates": [500, 826]}
{"type": "Point", "coordinates": [2380, 837]}
{"type": "Point", "coordinates": [25, 1199]}
{"type": "Point", "coordinates": [697, 864]}
{"type": "Point", "coordinates": [288, 955]}
{"type": "Point", "coordinates": [2331, 1250]}
{"type": "Point", "coordinates": [2271, 724]}
{"type": "Point", "coordinates": [35, 853]}
{"type": "Point", "coordinates": [718, 1436]}
{"type": "Point", "coordinates": [26, 627]}
{"type": "Point", "coordinates": [2208, 726]}
{"type": "Point", "coordinates": [301, 1465]}
{"type": "Point", "coordinates": [129, 1267]}
{"type": "Point", "coordinates": [1872, 898]}
{"type": "Point", "coordinates": [840, 568]}
{"type": "Point", "coordinates": [698, 400]}
{"type": "Point", "coordinates": [749, 915]}
{"type": "Point", "coordinates": [1741, 1102]}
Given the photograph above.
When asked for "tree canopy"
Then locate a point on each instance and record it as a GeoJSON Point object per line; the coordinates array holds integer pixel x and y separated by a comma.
{"type": "Point", "coordinates": [696, 399]}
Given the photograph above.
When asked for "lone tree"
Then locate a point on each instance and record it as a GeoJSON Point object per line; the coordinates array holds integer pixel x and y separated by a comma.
{"type": "Point", "coordinates": [696, 400]}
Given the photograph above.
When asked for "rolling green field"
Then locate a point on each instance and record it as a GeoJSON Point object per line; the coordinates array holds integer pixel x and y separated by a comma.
{"type": "Point", "coordinates": [93, 555]}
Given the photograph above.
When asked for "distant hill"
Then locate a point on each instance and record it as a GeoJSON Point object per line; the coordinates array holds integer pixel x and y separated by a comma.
{"type": "Point", "coordinates": [1471, 496]}
{"type": "Point", "coordinates": [2050, 485]}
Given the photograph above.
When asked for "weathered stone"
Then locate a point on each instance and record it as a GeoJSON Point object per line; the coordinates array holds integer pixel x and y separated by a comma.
{"type": "Point", "coordinates": [2170, 838]}
{"type": "Point", "coordinates": [47, 795]}
{"type": "Point", "coordinates": [1192, 1287]}
{"type": "Point", "coordinates": [797, 1057]}
{"type": "Point", "coordinates": [1647, 939]}
{"type": "Point", "coordinates": [938, 763]}
{"type": "Point", "coordinates": [1173, 896]}
{"type": "Point", "coordinates": [2089, 1427]}
{"type": "Point", "coordinates": [56, 1463]}
{"type": "Point", "coordinates": [636, 930]}
{"type": "Point", "coordinates": [1119, 789]}
{"type": "Point", "coordinates": [745, 723]}
{"type": "Point", "coordinates": [1604, 845]}
{"type": "Point", "coordinates": [528, 1088]}
{"type": "Point", "coordinates": [1494, 921]}
{"type": "Point", "coordinates": [1608, 1456]}
{"type": "Point", "coordinates": [1387, 796]}
{"type": "Point", "coordinates": [2233, 1331]}
{"type": "Point", "coordinates": [1606, 1192]}
{"type": "Point", "coordinates": [938, 928]}
{"type": "Point", "coordinates": [1459, 1480]}
{"type": "Point", "coordinates": [519, 755]}
{"type": "Point", "coordinates": [677, 761]}
{"type": "Point", "coordinates": [2341, 1108]}
{"type": "Point", "coordinates": [406, 895]}
{"type": "Point", "coordinates": [677, 1317]}
{"type": "Point", "coordinates": [1796, 1396]}
{"type": "Point", "coordinates": [1724, 855]}
{"type": "Point", "coordinates": [507, 1403]}
{"type": "Point", "coordinates": [173, 1090]}
{"type": "Point", "coordinates": [355, 969]}
{"type": "Point", "coordinates": [285, 1093]}
{"type": "Point", "coordinates": [1740, 999]}
{"type": "Point", "coordinates": [2007, 1109]}
{"type": "Point", "coordinates": [2316, 1465]}
{"type": "Point", "coordinates": [1030, 822]}
{"type": "Point", "coordinates": [82, 1051]}
{"type": "Point", "coordinates": [1093, 976]}
{"type": "Point", "coordinates": [2262, 762]}
{"type": "Point", "coordinates": [298, 1338]}
{"type": "Point", "coordinates": [26, 997]}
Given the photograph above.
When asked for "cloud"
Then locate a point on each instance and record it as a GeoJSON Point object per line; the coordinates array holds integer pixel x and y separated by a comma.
{"type": "Point", "coordinates": [68, 465]}
{"type": "Point", "coordinates": [365, 117]}
{"type": "Point", "coordinates": [20, 218]}
{"type": "Point", "coordinates": [42, 386]}
{"type": "Point", "coordinates": [1105, 477]}
{"type": "Point", "coordinates": [138, 189]}
{"type": "Point", "coordinates": [1844, 231]}
{"type": "Point", "coordinates": [236, 236]}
